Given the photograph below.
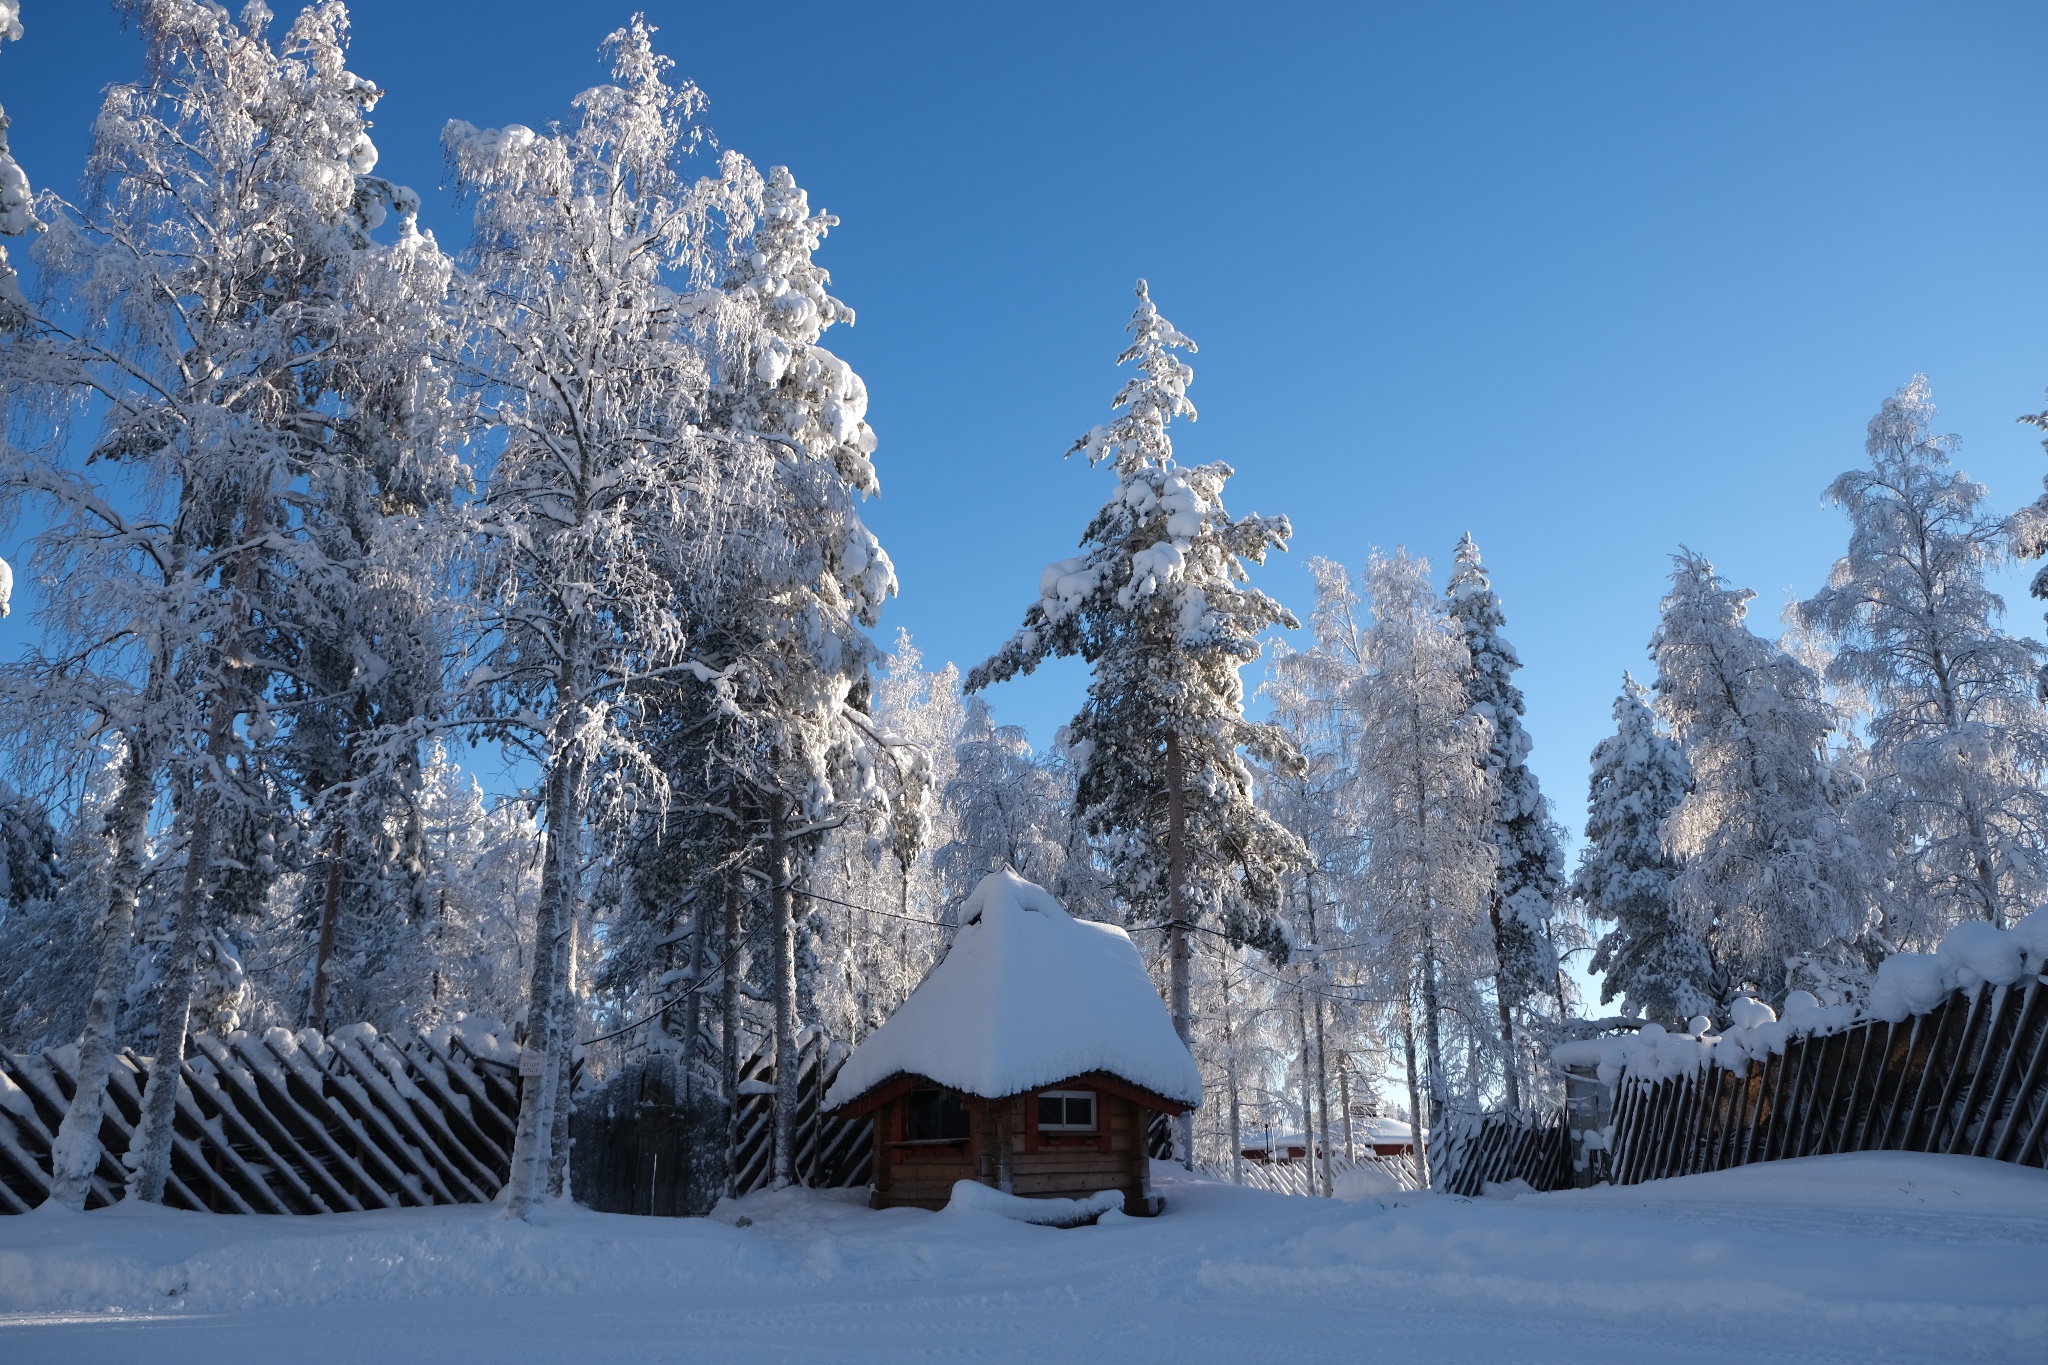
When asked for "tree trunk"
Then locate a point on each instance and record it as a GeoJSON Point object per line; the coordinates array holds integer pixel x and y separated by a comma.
{"type": "Point", "coordinates": [149, 1148]}
{"type": "Point", "coordinates": [1179, 950]}
{"type": "Point", "coordinates": [1510, 1066]}
{"type": "Point", "coordinates": [1344, 1100]}
{"type": "Point", "coordinates": [562, 1058]}
{"type": "Point", "coordinates": [544, 1013]}
{"type": "Point", "coordinates": [330, 915]}
{"type": "Point", "coordinates": [76, 1153]}
{"type": "Point", "coordinates": [1432, 1037]}
{"type": "Point", "coordinates": [1308, 889]}
{"type": "Point", "coordinates": [1308, 1108]}
{"type": "Point", "coordinates": [1414, 1095]}
{"type": "Point", "coordinates": [785, 999]}
{"type": "Point", "coordinates": [1230, 1083]}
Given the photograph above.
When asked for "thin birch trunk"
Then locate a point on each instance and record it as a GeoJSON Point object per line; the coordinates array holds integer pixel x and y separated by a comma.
{"type": "Point", "coordinates": [149, 1148]}
{"type": "Point", "coordinates": [544, 1024]}
{"type": "Point", "coordinates": [1510, 1060]}
{"type": "Point", "coordinates": [1414, 1095]}
{"type": "Point", "coordinates": [76, 1152]}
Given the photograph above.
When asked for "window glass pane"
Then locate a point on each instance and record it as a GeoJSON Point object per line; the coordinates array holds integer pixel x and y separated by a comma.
{"type": "Point", "coordinates": [1051, 1110]}
{"type": "Point", "coordinates": [1081, 1111]}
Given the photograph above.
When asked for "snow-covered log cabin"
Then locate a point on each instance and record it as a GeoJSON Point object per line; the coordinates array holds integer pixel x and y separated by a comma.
{"type": "Point", "coordinates": [1031, 1058]}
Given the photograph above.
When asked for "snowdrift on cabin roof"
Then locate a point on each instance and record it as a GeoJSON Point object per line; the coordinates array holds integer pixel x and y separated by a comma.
{"type": "Point", "coordinates": [1027, 996]}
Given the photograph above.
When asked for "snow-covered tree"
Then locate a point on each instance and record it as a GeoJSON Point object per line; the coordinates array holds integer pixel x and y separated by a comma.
{"type": "Point", "coordinates": [1772, 874]}
{"type": "Point", "coordinates": [1427, 812]}
{"type": "Point", "coordinates": [1159, 604]}
{"type": "Point", "coordinates": [1651, 959]}
{"type": "Point", "coordinates": [1958, 741]}
{"type": "Point", "coordinates": [17, 216]}
{"type": "Point", "coordinates": [219, 305]}
{"type": "Point", "coordinates": [590, 249]}
{"type": "Point", "coordinates": [1531, 863]}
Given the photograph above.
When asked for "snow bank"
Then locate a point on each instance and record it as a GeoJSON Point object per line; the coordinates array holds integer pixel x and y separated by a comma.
{"type": "Point", "coordinates": [1866, 1256]}
{"type": "Point", "coordinates": [1970, 955]}
{"type": "Point", "coordinates": [1026, 996]}
{"type": "Point", "coordinates": [1053, 1213]}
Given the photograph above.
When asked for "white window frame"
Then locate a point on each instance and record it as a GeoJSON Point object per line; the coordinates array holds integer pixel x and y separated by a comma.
{"type": "Point", "coordinates": [1094, 1099]}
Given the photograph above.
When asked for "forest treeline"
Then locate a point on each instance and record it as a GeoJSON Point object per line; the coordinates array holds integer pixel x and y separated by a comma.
{"type": "Point", "coordinates": [314, 508]}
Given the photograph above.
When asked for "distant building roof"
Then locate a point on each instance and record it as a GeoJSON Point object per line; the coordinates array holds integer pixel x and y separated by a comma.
{"type": "Point", "coordinates": [1027, 996]}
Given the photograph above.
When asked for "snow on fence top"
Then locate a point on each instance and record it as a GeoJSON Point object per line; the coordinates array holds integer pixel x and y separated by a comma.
{"type": "Point", "coordinates": [1026, 996]}
{"type": "Point", "coordinates": [1971, 955]}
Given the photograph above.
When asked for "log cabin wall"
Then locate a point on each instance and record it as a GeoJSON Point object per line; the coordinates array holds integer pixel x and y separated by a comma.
{"type": "Point", "coordinates": [1003, 1143]}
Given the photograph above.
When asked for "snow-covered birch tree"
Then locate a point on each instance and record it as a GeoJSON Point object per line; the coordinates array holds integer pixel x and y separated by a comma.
{"type": "Point", "coordinates": [1159, 603]}
{"type": "Point", "coordinates": [1773, 878]}
{"type": "Point", "coordinates": [1958, 740]}
{"type": "Point", "coordinates": [1427, 812]}
{"type": "Point", "coordinates": [589, 256]}
{"type": "Point", "coordinates": [214, 305]}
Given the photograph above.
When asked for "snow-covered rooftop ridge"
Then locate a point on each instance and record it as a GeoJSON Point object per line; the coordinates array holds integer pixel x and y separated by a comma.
{"type": "Point", "coordinates": [1970, 955]}
{"type": "Point", "coordinates": [1026, 996]}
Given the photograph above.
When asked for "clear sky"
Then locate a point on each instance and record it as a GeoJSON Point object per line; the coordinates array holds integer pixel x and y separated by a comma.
{"type": "Point", "coordinates": [1587, 281]}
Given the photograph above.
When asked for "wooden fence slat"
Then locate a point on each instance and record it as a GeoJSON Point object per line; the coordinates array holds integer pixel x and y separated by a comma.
{"type": "Point", "coordinates": [2028, 1082]}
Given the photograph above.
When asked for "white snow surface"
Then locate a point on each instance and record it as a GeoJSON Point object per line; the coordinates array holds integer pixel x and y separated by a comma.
{"type": "Point", "coordinates": [1863, 1257]}
{"type": "Point", "coordinates": [975, 1197]}
{"type": "Point", "coordinates": [1027, 995]}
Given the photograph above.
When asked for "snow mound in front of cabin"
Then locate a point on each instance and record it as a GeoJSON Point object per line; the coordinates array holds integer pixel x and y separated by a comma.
{"type": "Point", "coordinates": [974, 1196]}
{"type": "Point", "coordinates": [1027, 995]}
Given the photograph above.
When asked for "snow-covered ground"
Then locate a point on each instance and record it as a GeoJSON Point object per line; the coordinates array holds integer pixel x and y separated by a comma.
{"type": "Point", "coordinates": [1876, 1256]}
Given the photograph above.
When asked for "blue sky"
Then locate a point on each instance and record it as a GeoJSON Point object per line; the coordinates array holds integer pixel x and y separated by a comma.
{"type": "Point", "coordinates": [1587, 281]}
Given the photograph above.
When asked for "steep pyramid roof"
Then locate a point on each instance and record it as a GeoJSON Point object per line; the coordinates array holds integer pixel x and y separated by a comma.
{"type": "Point", "coordinates": [1027, 995]}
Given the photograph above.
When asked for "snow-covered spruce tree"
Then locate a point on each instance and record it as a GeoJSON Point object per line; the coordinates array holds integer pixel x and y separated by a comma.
{"type": "Point", "coordinates": [1426, 813]}
{"type": "Point", "coordinates": [1651, 959]}
{"type": "Point", "coordinates": [1958, 742]}
{"type": "Point", "coordinates": [590, 242]}
{"type": "Point", "coordinates": [1531, 863]}
{"type": "Point", "coordinates": [1772, 874]}
{"type": "Point", "coordinates": [1159, 604]}
{"type": "Point", "coordinates": [213, 304]}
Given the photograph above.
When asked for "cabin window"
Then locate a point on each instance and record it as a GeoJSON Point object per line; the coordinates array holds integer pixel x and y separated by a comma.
{"type": "Point", "coordinates": [936, 1116]}
{"type": "Point", "coordinates": [1066, 1111]}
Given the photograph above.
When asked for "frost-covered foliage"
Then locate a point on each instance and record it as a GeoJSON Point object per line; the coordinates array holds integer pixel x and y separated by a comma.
{"type": "Point", "coordinates": [217, 304]}
{"type": "Point", "coordinates": [1773, 881]}
{"type": "Point", "coordinates": [1650, 959]}
{"type": "Point", "coordinates": [1522, 905]}
{"type": "Point", "coordinates": [1429, 809]}
{"type": "Point", "coordinates": [1159, 603]}
{"type": "Point", "coordinates": [1958, 741]}
{"type": "Point", "coordinates": [591, 244]}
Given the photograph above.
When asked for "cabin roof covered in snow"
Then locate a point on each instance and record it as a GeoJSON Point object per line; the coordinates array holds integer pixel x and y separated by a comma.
{"type": "Point", "coordinates": [1027, 996]}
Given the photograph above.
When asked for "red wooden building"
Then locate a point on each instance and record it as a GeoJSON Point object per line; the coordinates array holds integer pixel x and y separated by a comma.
{"type": "Point", "coordinates": [1030, 1059]}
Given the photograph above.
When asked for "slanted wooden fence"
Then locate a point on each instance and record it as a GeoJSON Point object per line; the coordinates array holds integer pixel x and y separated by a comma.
{"type": "Point", "coordinates": [1477, 1150]}
{"type": "Point", "coordinates": [1967, 1078]}
{"type": "Point", "coordinates": [299, 1123]}
{"type": "Point", "coordinates": [284, 1122]}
